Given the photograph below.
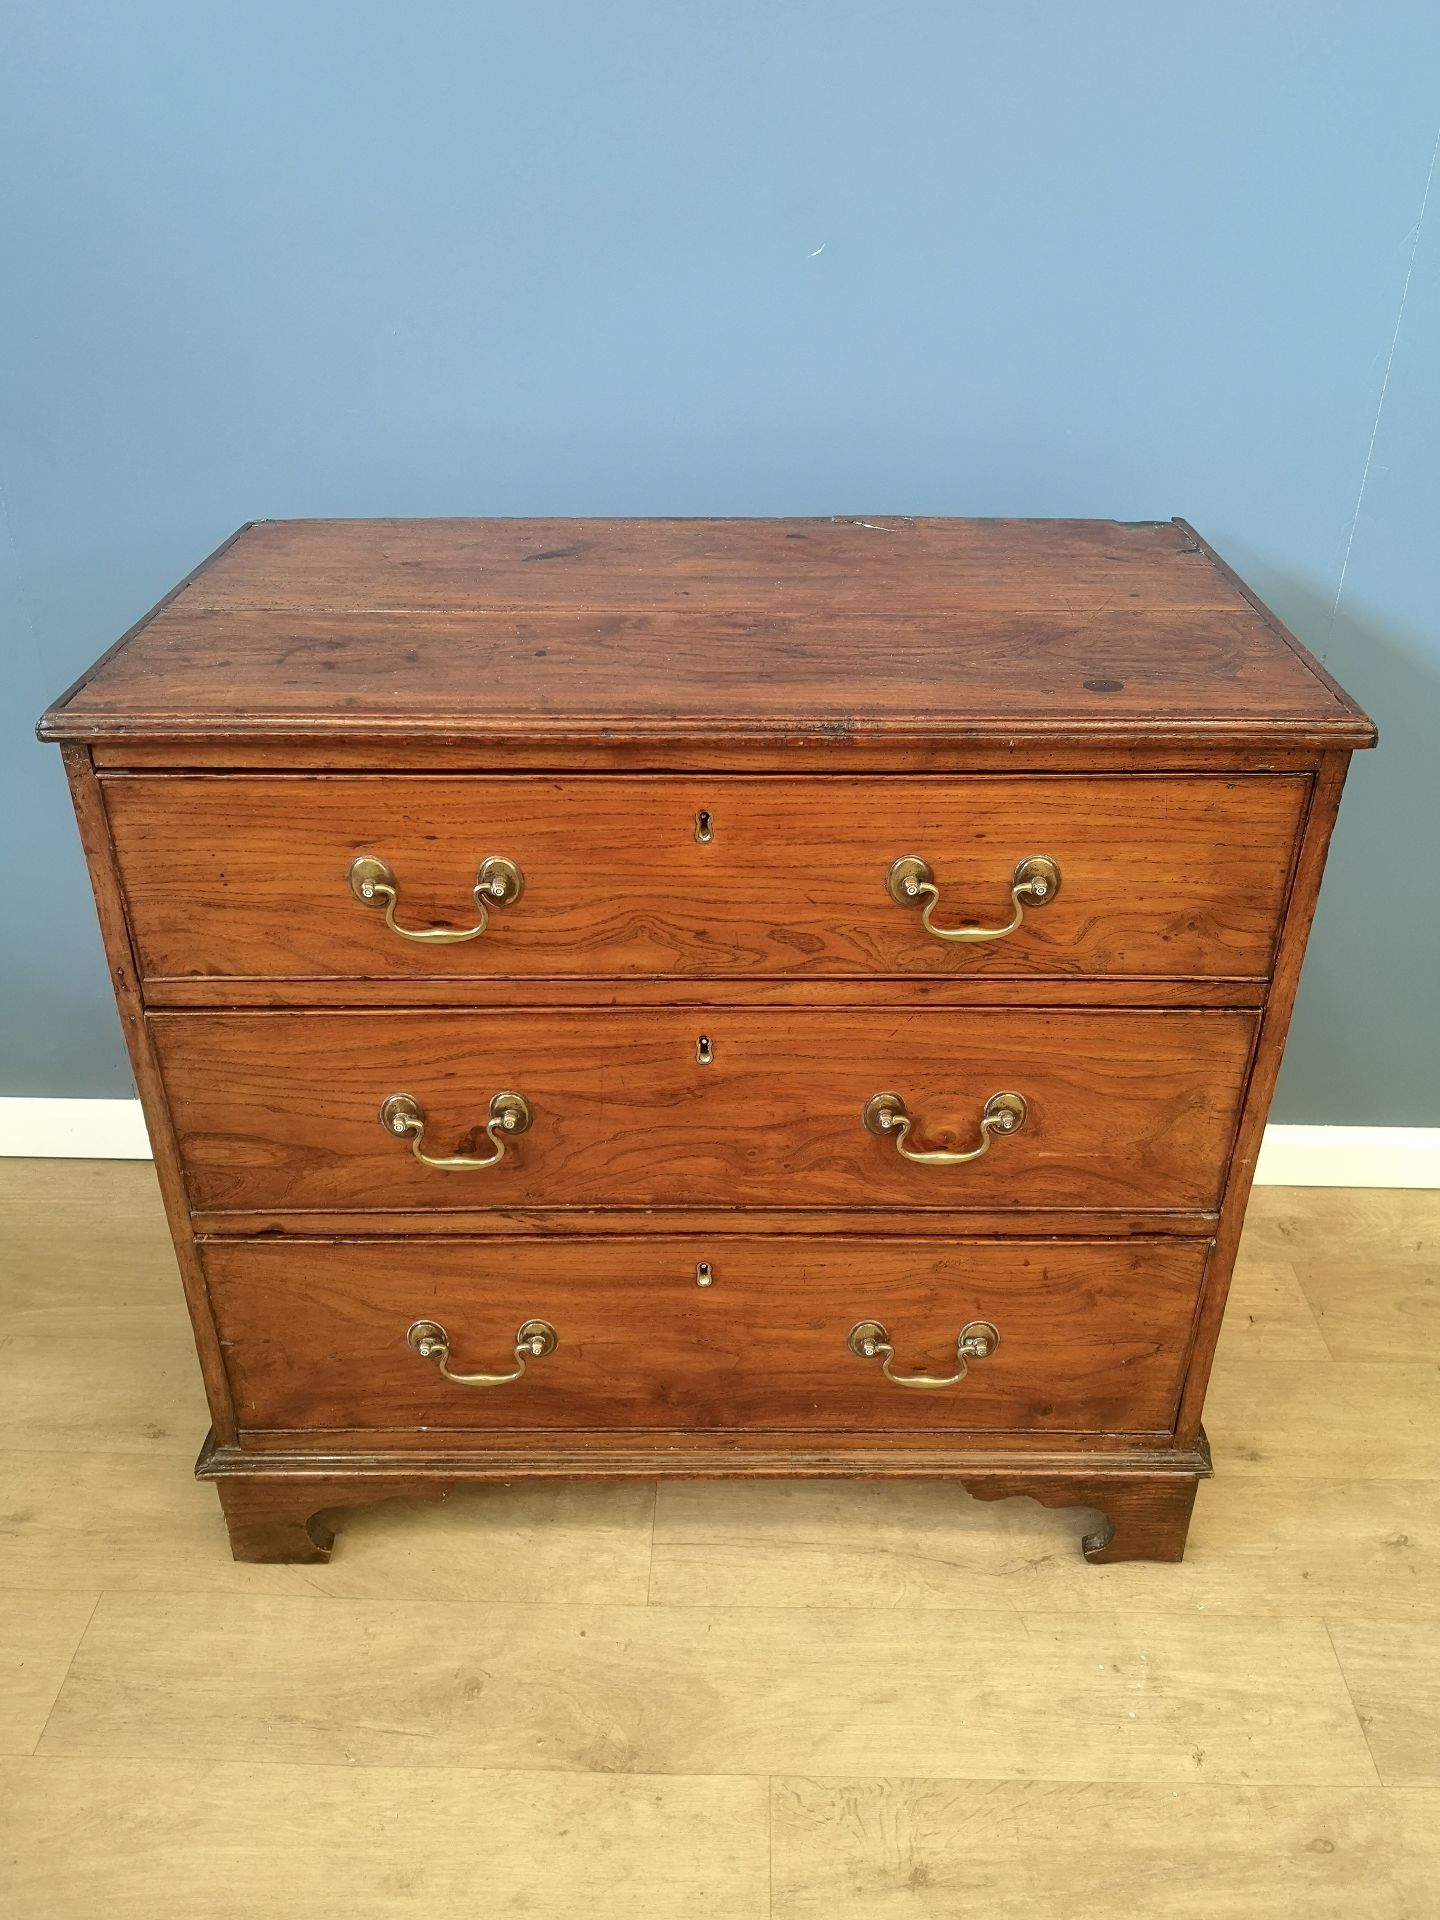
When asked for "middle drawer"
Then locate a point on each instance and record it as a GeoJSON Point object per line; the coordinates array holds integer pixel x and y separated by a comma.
{"type": "Point", "coordinates": [728, 1108]}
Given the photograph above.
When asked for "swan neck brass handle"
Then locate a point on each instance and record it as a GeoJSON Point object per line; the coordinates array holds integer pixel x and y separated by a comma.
{"type": "Point", "coordinates": [510, 1114]}
{"type": "Point", "coordinates": [498, 883]}
{"type": "Point", "coordinates": [977, 1340]}
{"type": "Point", "coordinates": [428, 1338]}
{"type": "Point", "coordinates": [1034, 883]}
{"type": "Point", "coordinates": [888, 1118]}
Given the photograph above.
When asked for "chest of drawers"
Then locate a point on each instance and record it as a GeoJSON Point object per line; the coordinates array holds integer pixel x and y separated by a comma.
{"type": "Point", "coordinates": [639, 998]}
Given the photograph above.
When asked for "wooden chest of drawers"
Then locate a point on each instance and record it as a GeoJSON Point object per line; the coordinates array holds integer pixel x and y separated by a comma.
{"type": "Point", "coordinates": [706, 997]}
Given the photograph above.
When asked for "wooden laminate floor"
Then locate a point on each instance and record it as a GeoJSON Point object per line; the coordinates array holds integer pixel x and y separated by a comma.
{"type": "Point", "coordinates": [818, 1702]}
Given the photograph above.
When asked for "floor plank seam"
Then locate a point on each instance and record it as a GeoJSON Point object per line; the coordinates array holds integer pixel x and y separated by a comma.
{"type": "Point", "coordinates": [654, 1519]}
{"type": "Point", "coordinates": [1310, 1308]}
{"type": "Point", "coordinates": [1237, 1782]}
{"type": "Point", "coordinates": [770, 1845]}
{"type": "Point", "coordinates": [184, 1765]}
{"type": "Point", "coordinates": [65, 1677]}
{"type": "Point", "coordinates": [185, 1760]}
{"type": "Point", "coordinates": [1380, 1780]}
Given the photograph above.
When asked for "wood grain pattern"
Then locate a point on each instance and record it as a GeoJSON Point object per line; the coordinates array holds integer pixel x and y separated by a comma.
{"type": "Point", "coordinates": [120, 1285]}
{"type": "Point", "coordinates": [1273, 1417]}
{"type": "Point", "coordinates": [331, 1843]}
{"type": "Point", "coordinates": [1092, 1338]}
{"type": "Point", "coordinates": [1383, 1303]}
{"type": "Point", "coordinates": [826, 563]}
{"type": "Point", "coordinates": [908, 1849]}
{"type": "Point", "coordinates": [125, 1379]}
{"type": "Point", "coordinates": [1331, 1232]}
{"type": "Point", "coordinates": [684, 1690]}
{"type": "Point", "coordinates": [798, 631]}
{"type": "Point", "coordinates": [1126, 1109]}
{"type": "Point", "coordinates": [246, 877]}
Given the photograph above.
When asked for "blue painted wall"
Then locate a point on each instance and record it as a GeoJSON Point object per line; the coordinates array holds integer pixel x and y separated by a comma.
{"type": "Point", "coordinates": [734, 258]}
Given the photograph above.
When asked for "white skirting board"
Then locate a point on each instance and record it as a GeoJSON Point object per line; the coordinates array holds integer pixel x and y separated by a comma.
{"type": "Point", "coordinates": [1349, 1157]}
{"type": "Point", "coordinates": [1290, 1156]}
{"type": "Point", "coordinates": [72, 1130]}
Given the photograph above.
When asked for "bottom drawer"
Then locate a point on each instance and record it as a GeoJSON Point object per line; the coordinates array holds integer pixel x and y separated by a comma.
{"type": "Point", "coordinates": [1093, 1335]}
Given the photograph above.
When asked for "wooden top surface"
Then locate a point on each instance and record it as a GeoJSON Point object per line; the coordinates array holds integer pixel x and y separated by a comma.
{"type": "Point", "coordinates": [766, 630]}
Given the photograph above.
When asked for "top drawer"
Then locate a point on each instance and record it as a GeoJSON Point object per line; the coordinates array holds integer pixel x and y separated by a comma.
{"type": "Point", "coordinates": [246, 877]}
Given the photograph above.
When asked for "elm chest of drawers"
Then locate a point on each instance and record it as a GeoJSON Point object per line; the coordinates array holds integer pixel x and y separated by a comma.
{"type": "Point", "coordinates": [635, 998]}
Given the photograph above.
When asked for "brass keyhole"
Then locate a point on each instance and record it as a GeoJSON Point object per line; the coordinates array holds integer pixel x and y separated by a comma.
{"type": "Point", "coordinates": [704, 827]}
{"type": "Point", "coordinates": [704, 1052]}
{"type": "Point", "coordinates": [704, 1274]}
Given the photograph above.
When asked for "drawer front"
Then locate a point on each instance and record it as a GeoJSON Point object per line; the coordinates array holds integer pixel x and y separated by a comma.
{"type": "Point", "coordinates": [245, 877]}
{"type": "Point", "coordinates": [1123, 1109]}
{"type": "Point", "coordinates": [1093, 1338]}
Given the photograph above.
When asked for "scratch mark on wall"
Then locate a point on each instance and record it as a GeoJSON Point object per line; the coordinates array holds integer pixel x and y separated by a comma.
{"type": "Point", "coordinates": [1385, 378]}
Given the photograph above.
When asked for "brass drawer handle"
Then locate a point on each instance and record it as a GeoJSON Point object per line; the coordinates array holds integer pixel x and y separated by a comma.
{"type": "Point", "coordinates": [498, 883]}
{"type": "Point", "coordinates": [888, 1118]}
{"type": "Point", "coordinates": [1034, 883]}
{"type": "Point", "coordinates": [977, 1340]}
{"type": "Point", "coordinates": [430, 1340]}
{"type": "Point", "coordinates": [510, 1113]}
